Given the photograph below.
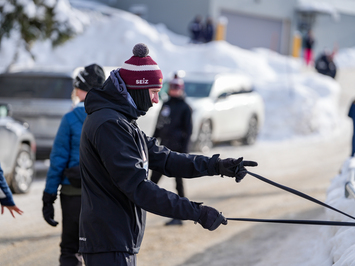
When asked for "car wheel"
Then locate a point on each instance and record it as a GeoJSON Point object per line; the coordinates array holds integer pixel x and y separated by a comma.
{"type": "Point", "coordinates": [252, 132]}
{"type": "Point", "coordinates": [204, 140]}
{"type": "Point", "coordinates": [23, 172]}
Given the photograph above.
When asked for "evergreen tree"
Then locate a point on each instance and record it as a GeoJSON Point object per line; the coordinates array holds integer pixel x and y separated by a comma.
{"type": "Point", "coordinates": [34, 20]}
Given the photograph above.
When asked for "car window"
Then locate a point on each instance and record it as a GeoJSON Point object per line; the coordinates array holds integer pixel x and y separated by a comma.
{"type": "Point", "coordinates": [36, 87]}
{"type": "Point", "coordinates": [3, 110]}
{"type": "Point", "coordinates": [197, 89]}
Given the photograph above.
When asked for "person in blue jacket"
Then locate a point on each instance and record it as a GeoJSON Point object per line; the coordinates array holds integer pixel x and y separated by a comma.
{"type": "Point", "coordinates": [64, 167]}
{"type": "Point", "coordinates": [6, 199]}
{"type": "Point", "coordinates": [115, 158]}
{"type": "Point", "coordinates": [351, 114]}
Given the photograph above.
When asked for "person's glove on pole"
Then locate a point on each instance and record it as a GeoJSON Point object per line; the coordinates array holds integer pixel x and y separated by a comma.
{"type": "Point", "coordinates": [234, 167]}
{"type": "Point", "coordinates": [48, 209]}
{"type": "Point", "coordinates": [210, 218]}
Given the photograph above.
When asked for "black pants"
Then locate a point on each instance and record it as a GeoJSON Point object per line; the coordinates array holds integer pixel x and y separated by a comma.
{"type": "Point", "coordinates": [70, 233]}
{"type": "Point", "coordinates": [109, 259]}
{"type": "Point", "coordinates": [179, 183]}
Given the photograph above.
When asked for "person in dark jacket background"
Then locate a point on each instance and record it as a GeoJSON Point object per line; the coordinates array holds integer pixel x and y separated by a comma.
{"type": "Point", "coordinates": [325, 64]}
{"type": "Point", "coordinates": [6, 199]}
{"type": "Point", "coordinates": [64, 171]}
{"type": "Point", "coordinates": [208, 30]}
{"type": "Point", "coordinates": [196, 29]}
{"type": "Point", "coordinates": [115, 158]}
{"type": "Point", "coordinates": [174, 129]}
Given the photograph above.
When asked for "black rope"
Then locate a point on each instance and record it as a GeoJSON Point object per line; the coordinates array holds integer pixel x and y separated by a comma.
{"type": "Point", "coordinates": [314, 222]}
{"type": "Point", "coordinates": [300, 194]}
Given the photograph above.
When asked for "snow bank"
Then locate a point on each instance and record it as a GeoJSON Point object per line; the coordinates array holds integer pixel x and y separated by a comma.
{"type": "Point", "coordinates": [345, 58]}
{"type": "Point", "coordinates": [341, 239]}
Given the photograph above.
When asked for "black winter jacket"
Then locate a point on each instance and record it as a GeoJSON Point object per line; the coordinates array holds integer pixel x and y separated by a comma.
{"type": "Point", "coordinates": [174, 125]}
{"type": "Point", "coordinates": [114, 159]}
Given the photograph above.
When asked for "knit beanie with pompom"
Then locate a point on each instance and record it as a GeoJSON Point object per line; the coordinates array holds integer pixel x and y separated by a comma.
{"type": "Point", "coordinates": [141, 73]}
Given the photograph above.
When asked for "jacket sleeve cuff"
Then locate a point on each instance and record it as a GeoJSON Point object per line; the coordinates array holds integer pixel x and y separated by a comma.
{"type": "Point", "coordinates": [8, 201]}
{"type": "Point", "coordinates": [212, 169]}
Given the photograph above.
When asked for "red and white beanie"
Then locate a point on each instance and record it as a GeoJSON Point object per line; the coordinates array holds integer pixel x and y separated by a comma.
{"type": "Point", "coordinates": [141, 71]}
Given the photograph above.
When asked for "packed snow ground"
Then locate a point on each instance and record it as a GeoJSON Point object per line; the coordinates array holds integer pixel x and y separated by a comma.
{"type": "Point", "coordinates": [298, 103]}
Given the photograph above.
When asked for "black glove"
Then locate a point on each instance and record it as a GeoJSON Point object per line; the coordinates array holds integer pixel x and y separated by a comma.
{"type": "Point", "coordinates": [48, 209]}
{"type": "Point", "coordinates": [234, 167]}
{"type": "Point", "coordinates": [210, 218]}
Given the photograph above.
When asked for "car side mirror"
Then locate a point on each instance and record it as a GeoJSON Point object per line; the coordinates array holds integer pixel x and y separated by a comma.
{"type": "Point", "coordinates": [222, 96]}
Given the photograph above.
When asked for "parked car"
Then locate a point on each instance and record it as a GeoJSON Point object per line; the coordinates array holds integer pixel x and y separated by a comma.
{"type": "Point", "coordinates": [225, 108]}
{"type": "Point", "coordinates": [41, 97]}
{"type": "Point", "coordinates": [17, 152]}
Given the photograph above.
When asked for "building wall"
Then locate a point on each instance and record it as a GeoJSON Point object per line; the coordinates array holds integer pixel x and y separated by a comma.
{"type": "Point", "coordinates": [248, 31]}
{"type": "Point", "coordinates": [278, 9]}
{"type": "Point", "coordinates": [329, 33]}
{"type": "Point", "coordinates": [258, 23]}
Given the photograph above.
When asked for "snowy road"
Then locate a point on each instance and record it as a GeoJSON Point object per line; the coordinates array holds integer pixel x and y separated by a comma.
{"type": "Point", "coordinates": [307, 166]}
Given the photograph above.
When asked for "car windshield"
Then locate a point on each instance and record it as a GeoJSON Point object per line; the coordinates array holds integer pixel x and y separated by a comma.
{"type": "Point", "coordinates": [197, 89]}
{"type": "Point", "coordinates": [36, 87]}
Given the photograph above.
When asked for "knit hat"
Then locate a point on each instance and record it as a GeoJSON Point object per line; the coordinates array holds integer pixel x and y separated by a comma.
{"type": "Point", "coordinates": [176, 83]}
{"type": "Point", "coordinates": [141, 71]}
{"type": "Point", "coordinates": [92, 76]}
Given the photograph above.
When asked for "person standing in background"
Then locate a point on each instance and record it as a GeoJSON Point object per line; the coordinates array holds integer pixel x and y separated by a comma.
{"type": "Point", "coordinates": [308, 47]}
{"type": "Point", "coordinates": [325, 65]}
{"type": "Point", "coordinates": [174, 129]}
{"type": "Point", "coordinates": [208, 30]}
{"type": "Point", "coordinates": [6, 199]}
{"type": "Point", "coordinates": [64, 167]}
{"type": "Point", "coordinates": [196, 28]}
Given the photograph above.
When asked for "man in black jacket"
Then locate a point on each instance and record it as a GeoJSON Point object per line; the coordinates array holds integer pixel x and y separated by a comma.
{"type": "Point", "coordinates": [174, 128]}
{"type": "Point", "coordinates": [325, 64]}
{"type": "Point", "coordinates": [115, 156]}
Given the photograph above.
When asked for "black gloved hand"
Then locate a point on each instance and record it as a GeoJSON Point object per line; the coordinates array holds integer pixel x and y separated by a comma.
{"type": "Point", "coordinates": [48, 209]}
{"type": "Point", "coordinates": [210, 218]}
{"type": "Point", "coordinates": [234, 167]}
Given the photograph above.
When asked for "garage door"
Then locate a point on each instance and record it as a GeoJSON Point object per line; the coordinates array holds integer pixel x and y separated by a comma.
{"type": "Point", "coordinates": [251, 32]}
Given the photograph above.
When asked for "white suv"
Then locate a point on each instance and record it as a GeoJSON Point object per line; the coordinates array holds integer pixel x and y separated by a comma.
{"type": "Point", "coordinates": [225, 108]}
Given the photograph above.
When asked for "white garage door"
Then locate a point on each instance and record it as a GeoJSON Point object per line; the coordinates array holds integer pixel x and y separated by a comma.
{"type": "Point", "coordinates": [251, 32]}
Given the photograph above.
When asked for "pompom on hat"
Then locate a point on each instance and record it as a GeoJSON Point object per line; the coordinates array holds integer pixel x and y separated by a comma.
{"type": "Point", "coordinates": [141, 71]}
